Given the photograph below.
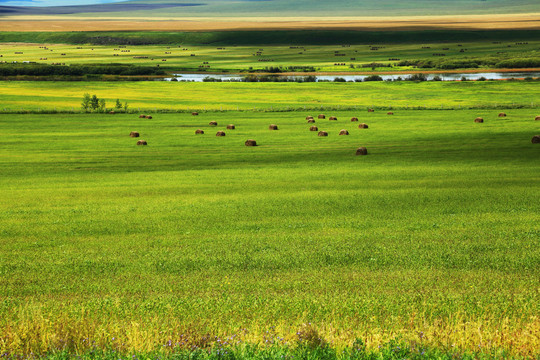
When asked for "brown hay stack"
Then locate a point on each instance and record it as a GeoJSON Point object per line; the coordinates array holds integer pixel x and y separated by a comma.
{"type": "Point", "coordinates": [537, 118]}
{"type": "Point", "coordinates": [134, 134]}
{"type": "Point", "coordinates": [220, 133]}
{"type": "Point", "coordinates": [332, 118]}
{"type": "Point", "coordinates": [535, 139]}
{"type": "Point", "coordinates": [149, 116]}
{"type": "Point", "coordinates": [502, 114]}
{"type": "Point", "coordinates": [361, 151]}
{"type": "Point", "coordinates": [273, 127]}
{"type": "Point", "coordinates": [199, 132]}
{"type": "Point", "coordinates": [212, 123]}
{"type": "Point", "coordinates": [322, 133]}
{"type": "Point", "coordinates": [141, 142]}
{"type": "Point", "coordinates": [194, 113]}
{"type": "Point", "coordinates": [363, 126]}
{"type": "Point", "coordinates": [479, 120]}
{"type": "Point", "coordinates": [389, 113]}
{"type": "Point", "coordinates": [142, 116]}
{"type": "Point", "coordinates": [309, 117]}
{"type": "Point", "coordinates": [313, 128]}
{"type": "Point", "coordinates": [311, 121]}
{"type": "Point", "coordinates": [251, 142]}
{"type": "Point", "coordinates": [370, 110]}
{"type": "Point", "coordinates": [343, 132]}
{"type": "Point", "coordinates": [322, 116]}
{"type": "Point", "coordinates": [231, 127]}
{"type": "Point", "coordinates": [353, 119]}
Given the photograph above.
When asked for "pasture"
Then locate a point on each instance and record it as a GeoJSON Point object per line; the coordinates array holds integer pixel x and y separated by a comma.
{"type": "Point", "coordinates": [195, 240]}
{"type": "Point", "coordinates": [369, 57]}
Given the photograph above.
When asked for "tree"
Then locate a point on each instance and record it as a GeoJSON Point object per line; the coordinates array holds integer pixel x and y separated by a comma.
{"type": "Point", "coordinates": [85, 102]}
{"type": "Point", "coordinates": [126, 106]}
{"type": "Point", "coordinates": [94, 102]}
{"type": "Point", "coordinates": [102, 104]}
{"type": "Point", "coordinates": [118, 104]}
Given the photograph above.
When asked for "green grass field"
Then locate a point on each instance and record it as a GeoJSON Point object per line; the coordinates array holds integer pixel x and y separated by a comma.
{"type": "Point", "coordinates": [432, 238]}
{"type": "Point", "coordinates": [214, 58]}
{"type": "Point", "coordinates": [180, 96]}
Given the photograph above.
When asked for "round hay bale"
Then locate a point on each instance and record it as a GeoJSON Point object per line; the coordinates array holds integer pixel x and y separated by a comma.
{"type": "Point", "coordinates": [502, 114]}
{"type": "Point", "coordinates": [322, 116]}
{"type": "Point", "coordinates": [212, 123]}
{"type": "Point", "coordinates": [535, 139]}
{"type": "Point", "coordinates": [389, 113]}
{"type": "Point", "coordinates": [311, 121]}
{"type": "Point", "coordinates": [363, 126]}
{"type": "Point", "coordinates": [322, 133]}
{"type": "Point", "coordinates": [353, 119]}
{"type": "Point", "coordinates": [537, 118]}
{"type": "Point", "coordinates": [361, 151]}
{"type": "Point", "coordinates": [231, 127]}
{"type": "Point", "coordinates": [149, 116]}
{"type": "Point", "coordinates": [199, 132]}
{"type": "Point", "coordinates": [134, 134]}
{"type": "Point", "coordinates": [332, 118]}
{"type": "Point", "coordinates": [112, 112]}
{"type": "Point", "coordinates": [194, 113]}
{"type": "Point", "coordinates": [309, 117]}
{"type": "Point", "coordinates": [220, 133]}
{"type": "Point", "coordinates": [479, 120]}
{"type": "Point", "coordinates": [313, 128]}
{"type": "Point", "coordinates": [141, 142]}
{"type": "Point", "coordinates": [370, 110]}
{"type": "Point", "coordinates": [343, 132]}
{"type": "Point", "coordinates": [251, 142]}
{"type": "Point", "coordinates": [273, 127]}
{"type": "Point", "coordinates": [142, 116]}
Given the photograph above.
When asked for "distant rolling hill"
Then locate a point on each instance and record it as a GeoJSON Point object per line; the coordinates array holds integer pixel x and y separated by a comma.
{"type": "Point", "coordinates": [283, 8]}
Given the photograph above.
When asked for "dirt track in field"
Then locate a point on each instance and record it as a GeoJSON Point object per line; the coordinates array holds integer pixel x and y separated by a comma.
{"type": "Point", "coordinates": [462, 22]}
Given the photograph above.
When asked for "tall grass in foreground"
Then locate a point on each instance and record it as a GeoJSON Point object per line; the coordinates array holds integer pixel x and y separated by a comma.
{"type": "Point", "coordinates": [110, 248]}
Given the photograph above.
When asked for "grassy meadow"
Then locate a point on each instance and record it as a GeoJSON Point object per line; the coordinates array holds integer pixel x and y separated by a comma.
{"type": "Point", "coordinates": [195, 240]}
{"type": "Point", "coordinates": [152, 96]}
{"type": "Point", "coordinates": [321, 58]}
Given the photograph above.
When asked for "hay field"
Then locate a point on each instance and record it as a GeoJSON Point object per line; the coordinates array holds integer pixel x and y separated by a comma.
{"type": "Point", "coordinates": [431, 239]}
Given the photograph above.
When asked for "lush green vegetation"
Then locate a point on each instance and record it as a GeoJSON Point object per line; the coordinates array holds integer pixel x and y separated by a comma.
{"type": "Point", "coordinates": [181, 96]}
{"type": "Point", "coordinates": [431, 238]}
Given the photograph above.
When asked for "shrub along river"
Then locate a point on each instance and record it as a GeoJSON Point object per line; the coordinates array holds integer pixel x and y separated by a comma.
{"type": "Point", "coordinates": [441, 76]}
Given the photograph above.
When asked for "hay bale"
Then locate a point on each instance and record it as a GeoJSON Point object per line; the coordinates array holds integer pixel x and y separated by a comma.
{"type": "Point", "coordinates": [479, 120]}
{"type": "Point", "coordinates": [361, 151]}
{"type": "Point", "coordinates": [134, 134]}
{"type": "Point", "coordinates": [313, 128]}
{"type": "Point", "coordinates": [389, 113]}
{"type": "Point", "coordinates": [537, 118]}
{"type": "Point", "coordinates": [322, 133]}
{"type": "Point", "coordinates": [273, 127]}
{"type": "Point", "coordinates": [142, 116]}
{"type": "Point", "coordinates": [309, 117]}
{"type": "Point", "coordinates": [149, 116]}
{"type": "Point", "coordinates": [343, 132]}
{"type": "Point", "coordinates": [363, 126]}
{"type": "Point", "coordinates": [332, 118]}
{"type": "Point", "coordinates": [322, 116]}
{"type": "Point", "coordinates": [251, 142]}
{"type": "Point", "coordinates": [220, 133]}
{"type": "Point", "coordinates": [199, 132]}
{"type": "Point", "coordinates": [535, 139]}
{"type": "Point", "coordinates": [231, 127]}
{"type": "Point", "coordinates": [311, 121]}
{"type": "Point", "coordinates": [141, 142]}
{"type": "Point", "coordinates": [502, 114]}
{"type": "Point", "coordinates": [353, 119]}
{"type": "Point", "coordinates": [212, 123]}
{"type": "Point", "coordinates": [194, 113]}
{"type": "Point", "coordinates": [112, 112]}
{"type": "Point", "coordinates": [370, 110]}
